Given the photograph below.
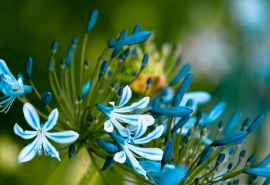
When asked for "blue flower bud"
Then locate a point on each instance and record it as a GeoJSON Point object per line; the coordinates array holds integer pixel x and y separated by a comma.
{"type": "Point", "coordinates": [182, 121]}
{"type": "Point", "coordinates": [62, 64]}
{"type": "Point", "coordinates": [120, 92]}
{"type": "Point", "coordinates": [185, 85]}
{"type": "Point", "coordinates": [137, 38]}
{"type": "Point", "coordinates": [232, 123]}
{"type": "Point", "coordinates": [242, 154]}
{"type": "Point", "coordinates": [199, 119]}
{"type": "Point", "coordinates": [103, 108]}
{"type": "Point", "coordinates": [92, 20]}
{"type": "Point", "coordinates": [86, 64]}
{"type": "Point", "coordinates": [107, 146]}
{"type": "Point", "coordinates": [86, 87]}
{"type": "Point", "coordinates": [126, 52]}
{"type": "Point", "coordinates": [119, 43]}
{"type": "Point", "coordinates": [220, 159]}
{"type": "Point", "coordinates": [149, 81]}
{"type": "Point", "coordinates": [232, 139]}
{"type": "Point", "coordinates": [262, 172]}
{"type": "Point", "coordinates": [110, 73]}
{"type": "Point", "coordinates": [179, 111]}
{"type": "Point", "coordinates": [46, 98]}
{"type": "Point", "coordinates": [29, 65]}
{"type": "Point", "coordinates": [196, 181]}
{"type": "Point", "coordinates": [109, 161]}
{"type": "Point", "coordinates": [117, 138]}
{"type": "Point", "coordinates": [230, 166]}
{"type": "Point", "coordinates": [89, 119]}
{"type": "Point", "coordinates": [182, 72]}
{"type": "Point", "coordinates": [204, 155]}
{"type": "Point", "coordinates": [144, 61]}
{"type": "Point", "coordinates": [103, 68]}
{"type": "Point", "coordinates": [71, 150]}
{"type": "Point", "coordinates": [178, 60]}
{"type": "Point", "coordinates": [235, 182]}
{"type": "Point", "coordinates": [134, 53]}
{"type": "Point", "coordinates": [111, 43]}
{"type": "Point", "coordinates": [166, 153]}
{"type": "Point", "coordinates": [185, 140]}
{"type": "Point", "coordinates": [54, 47]}
{"type": "Point", "coordinates": [250, 160]}
{"type": "Point", "coordinates": [189, 103]}
{"type": "Point", "coordinates": [79, 99]}
{"type": "Point", "coordinates": [50, 65]}
{"type": "Point", "coordinates": [69, 56]}
{"type": "Point", "coordinates": [113, 86]}
{"type": "Point", "coordinates": [220, 125]}
{"type": "Point", "coordinates": [254, 125]}
{"type": "Point", "coordinates": [74, 42]}
{"type": "Point", "coordinates": [245, 124]}
{"type": "Point", "coordinates": [136, 29]}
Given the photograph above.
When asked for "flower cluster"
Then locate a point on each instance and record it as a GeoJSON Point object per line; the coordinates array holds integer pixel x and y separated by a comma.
{"type": "Point", "coordinates": [158, 132]}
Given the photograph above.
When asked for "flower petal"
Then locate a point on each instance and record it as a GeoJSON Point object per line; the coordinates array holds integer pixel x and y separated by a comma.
{"type": "Point", "coordinates": [63, 137]}
{"type": "Point", "coordinates": [49, 149]}
{"type": "Point", "coordinates": [137, 105]}
{"type": "Point", "coordinates": [132, 119]}
{"type": "Point", "coordinates": [28, 152]}
{"type": "Point", "coordinates": [4, 69]}
{"type": "Point", "coordinates": [125, 96]}
{"type": "Point", "coordinates": [108, 126]}
{"type": "Point", "coordinates": [52, 119]}
{"type": "Point", "coordinates": [141, 129]}
{"type": "Point", "coordinates": [120, 157]}
{"type": "Point", "coordinates": [24, 134]}
{"type": "Point", "coordinates": [153, 135]}
{"type": "Point", "coordinates": [31, 116]}
{"type": "Point", "coordinates": [122, 131]}
{"type": "Point", "coordinates": [148, 153]}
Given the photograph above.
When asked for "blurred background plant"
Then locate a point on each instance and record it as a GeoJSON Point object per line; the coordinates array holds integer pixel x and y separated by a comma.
{"type": "Point", "coordinates": [226, 42]}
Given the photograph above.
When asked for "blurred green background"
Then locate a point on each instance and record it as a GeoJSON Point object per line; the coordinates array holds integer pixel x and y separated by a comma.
{"type": "Point", "coordinates": [227, 43]}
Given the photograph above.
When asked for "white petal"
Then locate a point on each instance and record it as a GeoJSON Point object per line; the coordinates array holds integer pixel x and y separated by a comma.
{"type": "Point", "coordinates": [141, 128]}
{"type": "Point", "coordinates": [148, 153]}
{"type": "Point", "coordinates": [108, 126]}
{"type": "Point", "coordinates": [28, 152]}
{"type": "Point", "coordinates": [52, 120]}
{"type": "Point", "coordinates": [132, 119]}
{"type": "Point", "coordinates": [49, 149]}
{"type": "Point", "coordinates": [137, 105]}
{"type": "Point", "coordinates": [4, 69]}
{"type": "Point", "coordinates": [120, 157]}
{"type": "Point", "coordinates": [24, 134]}
{"type": "Point", "coordinates": [31, 116]}
{"type": "Point", "coordinates": [125, 96]}
{"type": "Point", "coordinates": [153, 135]}
{"type": "Point", "coordinates": [63, 137]}
{"type": "Point", "coordinates": [122, 131]}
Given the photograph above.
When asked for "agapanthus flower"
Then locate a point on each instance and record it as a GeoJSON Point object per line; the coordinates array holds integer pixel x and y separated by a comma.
{"type": "Point", "coordinates": [115, 113]}
{"type": "Point", "coordinates": [41, 133]}
{"type": "Point", "coordinates": [10, 86]}
{"type": "Point", "coordinates": [127, 146]}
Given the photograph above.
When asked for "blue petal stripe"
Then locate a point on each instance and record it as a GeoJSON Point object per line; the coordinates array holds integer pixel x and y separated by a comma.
{"type": "Point", "coordinates": [63, 137]}
{"type": "Point", "coordinates": [153, 135]}
{"type": "Point", "coordinates": [52, 119]}
{"type": "Point", "coordinates": [28, 152]}
{"type": "Point", "coordinates": [24, 134]}
{"type": "Point", "coordinates": [148, 153]}
{"type": "Point", "coordinates": [31, 116]}
{"type": "Point", "coordinates": [137, 105]}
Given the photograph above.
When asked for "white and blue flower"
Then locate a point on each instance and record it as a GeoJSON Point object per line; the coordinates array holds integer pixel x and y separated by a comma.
{"type": "Point", "coordinates": [127, 146]}
{"type": "Point", "coordinates": [10, 86]}
{"type": "Point", "coordinates": [115, 113]}
{"type": "Point", "coordinates": [41, 133]}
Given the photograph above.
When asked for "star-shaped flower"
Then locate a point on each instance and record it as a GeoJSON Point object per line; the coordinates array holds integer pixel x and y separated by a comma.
{"type": "Point", "coordinates": [10, 86]}
{"type": "Point", "coordinates": [41, 132]}
{"type": "Point", "coordinates": [115, 113]}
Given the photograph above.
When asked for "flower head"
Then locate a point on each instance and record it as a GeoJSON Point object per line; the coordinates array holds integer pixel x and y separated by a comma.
{"type": "Point", "coordinates": [41, 133]}
{"type": "Point", "coordinates": [10, 86]}
{"type": "Point", "coordinates": [115, 116]}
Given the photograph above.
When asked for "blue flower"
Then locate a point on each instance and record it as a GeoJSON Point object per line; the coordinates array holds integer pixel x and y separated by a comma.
{"type": "Point", "coordinates": [115, 116]}
{"type": "Point", "coordinates": [41, 132]}
{"type": "Point", "coordinates": [127, 146]}
{"type": "Point", "coordinates": [10, 86]}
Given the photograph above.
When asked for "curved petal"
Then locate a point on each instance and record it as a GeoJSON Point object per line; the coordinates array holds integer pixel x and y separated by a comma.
{"type": "Point", "coordinates": [108, 126]}
{"type": "Point", "coordinates": [24, 134]}
{"type": "Point", "coordinates": [132, 119]}
{"type": "Point", "coordinates": [31, 116]}
{"type": "Point", "coordinates": [141, 128]}
{"type": "Point", "coordinates": [120, 157]}
{"type": "Point", "coordinates": [137, 105]}
{"type": "Point", "coordinates": [63, 137]}
{"type": "Point", "coordinates": [153, 135]}
{"type": "Point", "coordinates": [148, 153]}
{"type": "Point", "coordinates": [52, 119]}
{"type": "Point", "coordinates": [28, 152]}
{"type": "Point", "coordinates": [49, 149]}
{"type": "Point", "coordinates": [4, 69]}
{"type": "Point", "coordinates": [125, 96]}
{"type": "Point", "coordinates": [122, 131]}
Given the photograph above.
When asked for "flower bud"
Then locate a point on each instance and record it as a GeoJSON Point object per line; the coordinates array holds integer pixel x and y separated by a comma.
{"type": "Point", "coordinates": [46, 98]}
